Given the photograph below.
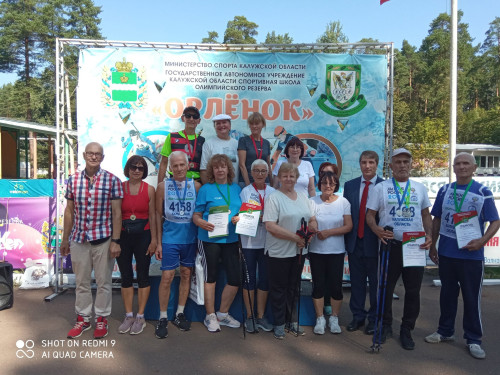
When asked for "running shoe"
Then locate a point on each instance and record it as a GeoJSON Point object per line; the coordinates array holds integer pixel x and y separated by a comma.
{"type": "Point", "coordinates": [80, 326]}
{"type": "Point", "coordinates": [181, 322]}
{"type": "Point", "coordinates": [126, 325]}
{"type": "Point", "coordinates": [161, 330]}
{"type": "Point", "coordinates": [101, 328]}
{"type": "Point", "coordinates": [212, 323]}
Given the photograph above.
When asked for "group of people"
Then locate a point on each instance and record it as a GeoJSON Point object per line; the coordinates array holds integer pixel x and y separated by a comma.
{"type": "Point", "coordinates": [200, 179]}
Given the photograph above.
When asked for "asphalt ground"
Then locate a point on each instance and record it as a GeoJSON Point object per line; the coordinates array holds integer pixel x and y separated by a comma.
{"type": "Point", "coordinates": [33, 341]}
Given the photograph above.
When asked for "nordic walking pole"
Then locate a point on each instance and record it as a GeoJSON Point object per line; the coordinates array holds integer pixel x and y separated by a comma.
{"type": "Point", "coordinates": [244, 271]}
{"type": "Point", "coordinates": [382, 287]}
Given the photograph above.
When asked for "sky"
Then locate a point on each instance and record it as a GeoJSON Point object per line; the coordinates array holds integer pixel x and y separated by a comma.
{"type": "Point", "coordinates": [180, 22]}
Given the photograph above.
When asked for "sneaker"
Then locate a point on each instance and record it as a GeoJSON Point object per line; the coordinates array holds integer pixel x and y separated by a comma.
{"type": "Point", "coordinates": [406, 340]}
{"type": "Point", "coordinates": [279, 332]}
{"type": "Point", "coordinates": [161, 330]}
{"type": "Point", "coordinates": [80, 326]}
{"type": "Point", "coordinates": [212, 323]}
{"type": "Point", "coordinates": [476, 351]}
{"type": "Point", "coordinates": [138, 326]}
{"type": "Point", "coordinates": [181, 322]}
{"type": "Point", "coordinates": [229, 321]}
{"type": "Point", "coordinates": [292, 328]}
{"type": "Point", "coordinates": [333, 322]}
{"type": "Point", "coordinates": [127, 323]}
{"type": "Point", "coordinates": [436, 338]}
{"type": "Point", "coordinates": [250, 327]}
{"type": "Point", "coordinates": [319, 328]}
{"type": "Point", "coordinates": [101, 328]}
{"type": "Point", "coordinates": [264, 324]}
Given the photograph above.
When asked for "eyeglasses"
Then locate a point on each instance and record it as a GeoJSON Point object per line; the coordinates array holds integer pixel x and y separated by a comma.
{"type": "Point", "coordinates": [97, 155]}
{"type": "Point", "coordinates": [189, 115]}
{"type": "Point", "coordinates": [259, 171]}
{"type": "Point", "coordinates": [139, 168]}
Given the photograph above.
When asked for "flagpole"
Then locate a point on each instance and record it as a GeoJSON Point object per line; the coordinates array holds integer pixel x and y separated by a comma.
{"type": "Point", "coordinates": [453, 87]}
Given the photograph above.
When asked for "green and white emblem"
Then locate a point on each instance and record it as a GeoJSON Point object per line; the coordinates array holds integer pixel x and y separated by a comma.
{"type": "Point", "coordinates": [124, 86]}
{"type": "Point", "coordinates": [343, 85]}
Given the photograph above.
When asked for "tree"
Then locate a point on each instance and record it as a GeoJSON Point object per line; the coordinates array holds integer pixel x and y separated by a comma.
{"type": "Point", "coordinates": [212, 38]}
{"type": "Point", "coordinates": [240, 31]}
{"type": "Point", "coordinates": [429, 138]}
{"type": "Point", "coordinates": [491, 49]}
{"type": "Point", "coordinates": [28, 29]}
{"type": "Point", "coordinates": [273, 38]}
{"type": "Point", "coordinates": [333, 34]}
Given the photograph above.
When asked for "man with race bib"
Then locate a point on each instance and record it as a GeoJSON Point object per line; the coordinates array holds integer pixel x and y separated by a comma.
{"type": "Point", "coordinates": [175, 203]}
{"type": "Point", "coordinates": [402, 204]}
{"type": "Point", "coordinates": [460, 211]}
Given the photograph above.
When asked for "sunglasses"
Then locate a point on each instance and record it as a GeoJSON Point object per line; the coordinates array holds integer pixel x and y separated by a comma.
{"type": "Point", "coordinates": [189, 115]}
{"type": "Point", "coordinates": [139, 168]}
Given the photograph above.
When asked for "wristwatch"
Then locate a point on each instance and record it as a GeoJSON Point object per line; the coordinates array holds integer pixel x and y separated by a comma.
{"type": "Point", "coordinates": [117, 240]}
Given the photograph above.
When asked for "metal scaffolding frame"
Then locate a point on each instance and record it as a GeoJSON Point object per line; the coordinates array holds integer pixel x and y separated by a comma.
{"type": "Point", "coordinates": [63, 118]}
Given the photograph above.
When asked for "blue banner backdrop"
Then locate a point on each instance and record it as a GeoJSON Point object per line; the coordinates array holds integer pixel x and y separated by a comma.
{"type": "Point", "coordinates": [129, 99]}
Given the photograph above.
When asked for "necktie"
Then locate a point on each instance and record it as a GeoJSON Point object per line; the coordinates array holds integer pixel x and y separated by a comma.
{"type": "Point", "coordinates": [362, 210]}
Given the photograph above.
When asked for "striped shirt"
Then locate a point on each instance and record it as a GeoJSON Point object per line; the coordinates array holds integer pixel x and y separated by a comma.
{"type": "Point", "coordinates": [92, 200]}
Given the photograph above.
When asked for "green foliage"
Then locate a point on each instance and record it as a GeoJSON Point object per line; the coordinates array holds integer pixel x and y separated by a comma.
{"type": "Point", "coordinates": [333, 34]}
{"type": "Point", "coordinates": [429, 139]}
{"type": "Point", "coordinates": [212, 37]}
{"type": "Point", "coordinates": [273, 38]}
{"type": "Point", "coordinates": [240, 31]}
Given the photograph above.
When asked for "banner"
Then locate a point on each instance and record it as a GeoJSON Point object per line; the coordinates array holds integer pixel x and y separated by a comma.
{"type": "Point", "coordinates": [129, 99]}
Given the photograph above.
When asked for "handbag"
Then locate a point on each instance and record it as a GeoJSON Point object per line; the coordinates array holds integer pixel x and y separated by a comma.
{"type": "Point", "coordinates": [196, 289]}
{"type": "Point", "coordinates": [134, 226]}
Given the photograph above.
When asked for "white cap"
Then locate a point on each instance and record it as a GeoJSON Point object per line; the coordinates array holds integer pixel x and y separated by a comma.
{"type": "Point", "coordinates": [222, 116]}
{"type": "Point", "coordinates": [400, 151]}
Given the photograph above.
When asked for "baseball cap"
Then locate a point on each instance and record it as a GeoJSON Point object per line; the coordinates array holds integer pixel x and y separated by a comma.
{"type": "Point", "coordinates": [222, 116]}
{"type": "Point", "coordinates": [191, 109]}
{"type": "Point", "coordinates": [400, 151]}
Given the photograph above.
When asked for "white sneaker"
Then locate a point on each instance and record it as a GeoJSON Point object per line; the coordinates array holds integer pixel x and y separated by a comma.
{"type": "Point", "coordinates": [319, 328]}
{"type": "Point", "coordinates": [211, 323]}
{"type": "Point", "coordinates": [228, 321]}
{"type": "Point", "coordinates": [333, 322]}
{"type": "Point", "coordinates": [476, 351]}
{"type": "Point", "coordinates": [436, 338]}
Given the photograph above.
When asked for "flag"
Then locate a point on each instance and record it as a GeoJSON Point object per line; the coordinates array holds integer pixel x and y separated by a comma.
{"type": "Point", "coordinates": [383, 1]}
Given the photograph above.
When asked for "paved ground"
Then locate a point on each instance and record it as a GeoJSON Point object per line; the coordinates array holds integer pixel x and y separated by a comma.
{"type": "Point", "coordinates": [42, 327]}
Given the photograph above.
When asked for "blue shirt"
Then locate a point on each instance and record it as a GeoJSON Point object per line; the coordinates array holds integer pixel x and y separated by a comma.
{"type": "Point", "coordinates": [480, 199]}
{"type": "Point", "coordinates": [208, 197]}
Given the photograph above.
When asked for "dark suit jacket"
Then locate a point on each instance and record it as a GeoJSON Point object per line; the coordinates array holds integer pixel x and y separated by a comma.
{"type": "Point", "coordinates": [370, 245]}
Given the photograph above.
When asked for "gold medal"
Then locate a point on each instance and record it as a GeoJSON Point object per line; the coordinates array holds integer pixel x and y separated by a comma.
{"type": "Point", "coordinates": [191, 165]}
{"type": "Point", "coordinates": [133, 217]}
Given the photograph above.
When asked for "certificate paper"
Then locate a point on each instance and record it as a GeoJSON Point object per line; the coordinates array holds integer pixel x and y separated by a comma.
{"type": "Point", "coordinates": [249, 219]}
{"type": "Point", "coordinates": [466, 227]}
{"type": "Point", "coordinates": [413, 255]}
{"type": "Point", "coordinates": [219, 217]}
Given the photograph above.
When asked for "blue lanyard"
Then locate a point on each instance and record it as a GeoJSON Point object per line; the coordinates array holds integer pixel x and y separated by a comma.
{"type": "Point", "coordinates": [177, 190]}
{"type": "Point", "coordinates": [397, 188]}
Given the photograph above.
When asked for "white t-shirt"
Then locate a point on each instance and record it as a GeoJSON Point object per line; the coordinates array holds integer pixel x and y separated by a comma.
{"type": "Point", "coordinates": [404, 218]}
{"type": "Point", "coordinates": [250, 195]}
{"type": "Point", "coordinates": [287, 213]}
{"type": "Point", "coordinates": [328, 216]}
{"type": "Point", "coordinates": [215, 145]}
{"type": "Point", "coordinates": [306, 171]}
